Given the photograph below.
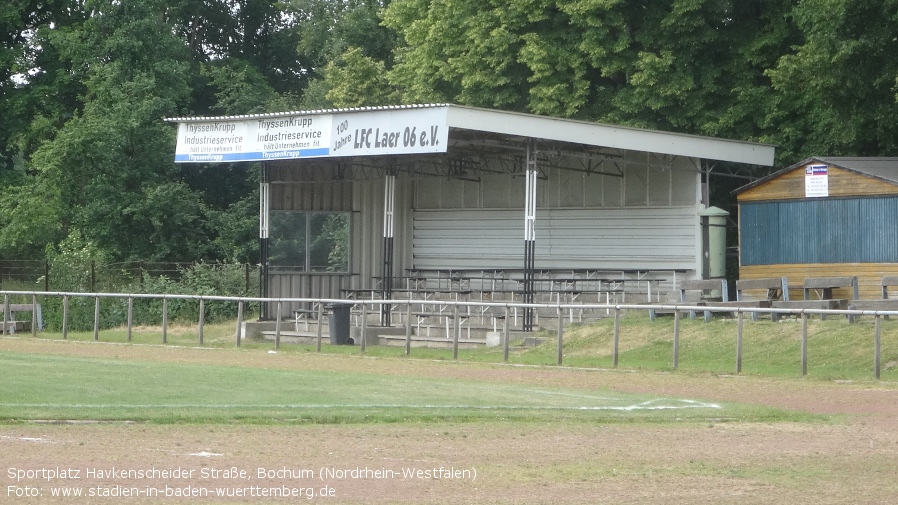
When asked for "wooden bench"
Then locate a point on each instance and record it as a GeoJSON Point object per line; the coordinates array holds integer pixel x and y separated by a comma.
{"type": "Point", "coordinates": [762, 293]}
{"type": "Point", "coordinates": [9, 317]}
{"type": "Point", "coordinates": [823, 287]}
{"type": "Point", "coordinates": [884, 303]}
{"type": "Point", "coordinates": [697, 292]}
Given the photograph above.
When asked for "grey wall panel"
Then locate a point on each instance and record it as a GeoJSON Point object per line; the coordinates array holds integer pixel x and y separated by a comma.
{"type": "Point", "coordinates": [631, 239]}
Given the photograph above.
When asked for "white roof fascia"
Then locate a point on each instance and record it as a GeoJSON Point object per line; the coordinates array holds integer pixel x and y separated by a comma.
{"type": "Point", "coordinates": [602, 135]}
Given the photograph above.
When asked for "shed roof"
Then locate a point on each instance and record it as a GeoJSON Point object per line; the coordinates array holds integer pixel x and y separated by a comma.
{"type": "Point", "coordinates": [882, 168]}
{"type": "Point", "coordinates": [514, 124]}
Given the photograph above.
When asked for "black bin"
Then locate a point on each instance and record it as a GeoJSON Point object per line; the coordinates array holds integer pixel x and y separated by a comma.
{"type": "Point", "coordinates": [339, 323]}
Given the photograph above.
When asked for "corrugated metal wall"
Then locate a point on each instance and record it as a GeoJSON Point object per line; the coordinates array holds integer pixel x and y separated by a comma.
{"type": "Point", "coordinates": [599, 239]}
{"type": "Point", "coordinates": [853, 230]}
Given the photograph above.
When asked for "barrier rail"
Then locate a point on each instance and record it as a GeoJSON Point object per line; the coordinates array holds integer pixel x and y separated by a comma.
{"type": "Point", "coordinates": [506, 307]}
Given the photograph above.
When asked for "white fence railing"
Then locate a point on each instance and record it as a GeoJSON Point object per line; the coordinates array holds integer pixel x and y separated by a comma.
{"type": "Point", "coordinates": [499, 311]}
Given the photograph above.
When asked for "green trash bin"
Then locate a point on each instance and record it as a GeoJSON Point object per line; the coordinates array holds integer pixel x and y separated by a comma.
{"type": "Point", "coordinates": [339, 323]}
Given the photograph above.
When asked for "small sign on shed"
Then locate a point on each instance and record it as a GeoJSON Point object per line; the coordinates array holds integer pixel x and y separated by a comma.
{"type": "Point", "coordinates": [816, 181]}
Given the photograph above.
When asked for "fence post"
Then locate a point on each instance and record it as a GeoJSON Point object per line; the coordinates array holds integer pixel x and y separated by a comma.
{"type": "Point", "coordinates": [363, 334]}
{"type": "Point", "coordinates": [65, 317]}
{"type": "Point", "coordinates": [130, 316]}
{"type": "Point", "coordinates": [320, 326]}
{"type": "Point", "coordinates": [615, 353]}
{"type": "Point", "coordinates": [408, 329]}
{"type": "Point", "coordinates": [202, 319]}
{"type": "Point", "coordinates": [804, 343]}
{"type": "Point", "coordinates": [5, 314]}
{"type": "Point", "coordinates": [676, 340]}
{"type": "Point", "coordinates": [164, 320]}
{"type": "Point", "coordinates": [455, 331]}
{"type": "Point", "coordinates": [505, 336]}
{"type": "Point", "coordinates": [239, 321]}
{"type": "Point", "coordinates": [277, 325]}
{"type": "Point", "coordinates": [96, 318]}
{"type": "Point", "coordinates": [34, 319]}
{"type": "Point", "coordinates": [739, 327]}
{"type": "Point", "coordinates": [876, 345]}
{"type": "Point", "coordinates": [559, 351]}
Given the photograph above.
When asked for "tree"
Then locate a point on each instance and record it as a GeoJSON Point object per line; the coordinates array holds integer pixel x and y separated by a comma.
{"type": "Point", "coordinates": [837, 87]}
{"type": "Point", "coordinates": [111, 156]}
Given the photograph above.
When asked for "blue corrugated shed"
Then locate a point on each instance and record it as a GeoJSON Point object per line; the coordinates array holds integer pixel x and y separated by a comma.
{"type": "Point", "coordinates": [830, 230]}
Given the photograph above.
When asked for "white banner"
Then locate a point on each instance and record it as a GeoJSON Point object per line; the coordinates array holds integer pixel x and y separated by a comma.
{"type": "Point", "coordinates": [369, 133]}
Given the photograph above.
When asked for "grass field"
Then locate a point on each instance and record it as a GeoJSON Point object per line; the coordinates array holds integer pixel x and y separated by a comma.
{"type": "Point", "coordinates": [532, 432]}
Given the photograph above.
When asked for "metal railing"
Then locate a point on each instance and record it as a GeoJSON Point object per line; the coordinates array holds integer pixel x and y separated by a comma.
{"type": "Point", "coordinates": [499, 310]}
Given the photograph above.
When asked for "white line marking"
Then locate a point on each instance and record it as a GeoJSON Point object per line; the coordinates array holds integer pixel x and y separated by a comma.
{"type": "Point", "coordinates": [658, 404]}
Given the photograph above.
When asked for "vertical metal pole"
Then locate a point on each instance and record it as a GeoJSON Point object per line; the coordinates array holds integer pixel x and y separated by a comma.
{"type": "Point", "coordinates": [739, 327]}
{"type": "Point", "coordinates": [202, 319]}
{"type": "Point", "coordinates": [389, 203]}
{"type": "Point", "coordinates": [320, 327]}
{"type": "Point", "coordinates": [264, 206]}
{"type": "Point", "coordinates": [455, 332]}
{"type": "Point", "coordinates": [676, 340]}
{"type": "Point", "coordinates": [615, 353]}
{"type": "Point", "coordinates": [277, 326]}
{"type": "Point", "coordinates": [505, 336]}
{"type": "Point", "coordinates": [408, 329]}
{"type": "Point", "coordinates": [65, 317]}
{"type": "Point", "coordinates": [164, 320]}
{"type": "Point", "coordinates": [96, 318]}
{"type": "Point", "coordinates": [239, 321]}
{"type": "Point", "coordinates": [804, 344]}
{"type": "Point", "coordinates": [529, 232]}
{"type": "Point", "coordinates": [876, 345]}
{"type": "Point", "coordinates": [560, 346]}
{"type": "Point", "coordinates": [130, 316]}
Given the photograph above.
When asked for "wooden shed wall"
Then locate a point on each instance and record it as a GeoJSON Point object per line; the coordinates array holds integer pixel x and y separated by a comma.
{"type": "Point", "coordinates": [842, 183]}
{"type": "Point", "coordinates": [869, 276]}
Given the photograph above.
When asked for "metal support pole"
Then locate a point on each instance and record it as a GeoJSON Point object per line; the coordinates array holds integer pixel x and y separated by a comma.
{"type": "Point", "coordinates": [264, 206]}
{"type": "Point", "coordinates": [389, 203]}
{"type": "Point", "coordinates": [530, 232]}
